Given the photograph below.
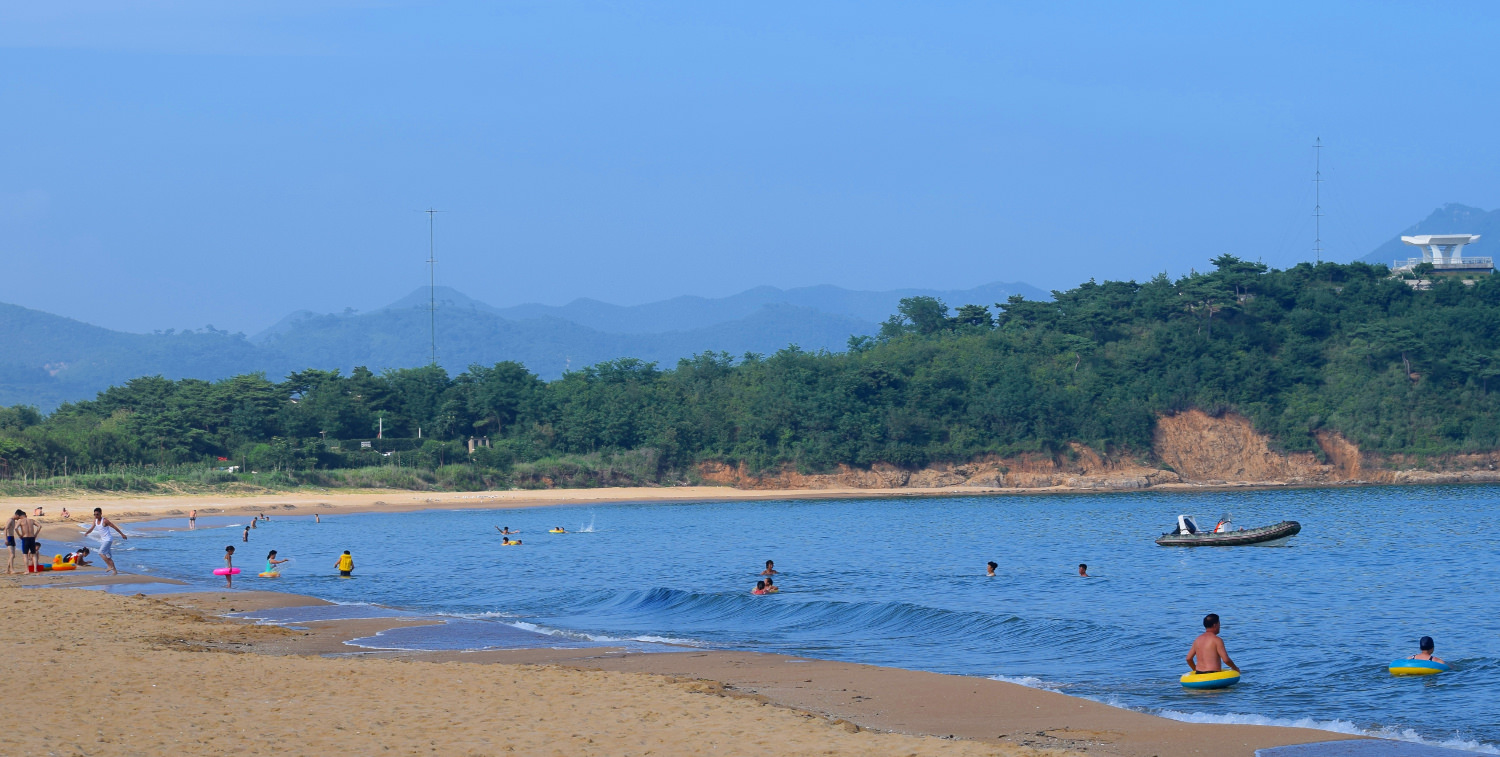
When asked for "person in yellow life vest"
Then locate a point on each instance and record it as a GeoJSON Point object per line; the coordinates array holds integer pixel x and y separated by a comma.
{"type": "Point", "coordinates": [346, 564]}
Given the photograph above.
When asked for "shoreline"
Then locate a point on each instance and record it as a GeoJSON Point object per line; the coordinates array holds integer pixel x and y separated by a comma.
{"type": "Point", "coordinates": [347, 502]}
{"type": "Point", "coordinates": [937, 709]}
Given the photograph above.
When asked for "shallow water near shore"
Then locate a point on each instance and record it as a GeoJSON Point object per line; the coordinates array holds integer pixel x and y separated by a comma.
{"type": "Point", "coordinates": [900, 582]}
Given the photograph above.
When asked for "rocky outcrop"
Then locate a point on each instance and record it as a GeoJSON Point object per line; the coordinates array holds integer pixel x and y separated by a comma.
{"type": "Point", "coordinates": [1189, 449]}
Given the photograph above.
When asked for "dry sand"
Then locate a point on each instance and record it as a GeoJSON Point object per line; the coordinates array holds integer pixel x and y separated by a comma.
{"type": "Point", "coordinates": [115, 675]}
{"type": "Point", "coordinates": [329, 501]}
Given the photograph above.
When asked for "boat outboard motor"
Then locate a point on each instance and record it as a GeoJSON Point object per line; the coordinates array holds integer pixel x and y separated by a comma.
{"type": "Point", "coordinates": [1186, 525]}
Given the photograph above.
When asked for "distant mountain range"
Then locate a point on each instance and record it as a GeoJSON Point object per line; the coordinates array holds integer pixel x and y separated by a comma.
{"type": "Point", "coordinates": [1452, 218]}
{"type": "Point", "coordinates": [46, 359]}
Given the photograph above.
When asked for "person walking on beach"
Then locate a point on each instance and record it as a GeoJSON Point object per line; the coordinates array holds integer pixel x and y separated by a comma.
{"type": "Point", "coordinates": [1427, 647]}
{"type": "Point", "coordinates": [1208, 654]}
{"type": "Point", "coordinates": [346, 564]}
{"type": "Point", "coordinates": [106, 539]}
{"type": "Point", "coordinates": [989, 568]}
{"type": "Point", "coordinates": [229, 567]}
{"type": "Point", "coordinates": [770, 568]}
{"type": "Point", "coordinates": [10, 540]}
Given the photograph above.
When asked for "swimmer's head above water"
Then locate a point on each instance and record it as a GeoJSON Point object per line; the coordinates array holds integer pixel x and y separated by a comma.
{"type": "Point", "coordinates": [990, 568]}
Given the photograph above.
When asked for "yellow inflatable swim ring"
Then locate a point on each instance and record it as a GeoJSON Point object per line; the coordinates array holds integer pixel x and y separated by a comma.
{"type": "Point", "coordinates": [556, 531]}
{"type": "Point", "coordinates": [269, 574]}
{"type": "Point", "coordinates": [1219, 679]}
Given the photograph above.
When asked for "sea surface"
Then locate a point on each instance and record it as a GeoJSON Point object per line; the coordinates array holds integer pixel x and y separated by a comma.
{"type": "Point", "coordinates": [900, 582]}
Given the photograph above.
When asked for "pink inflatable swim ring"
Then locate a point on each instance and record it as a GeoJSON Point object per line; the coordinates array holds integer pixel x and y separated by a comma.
{"type": "Point", "coordinates": [226, 571]}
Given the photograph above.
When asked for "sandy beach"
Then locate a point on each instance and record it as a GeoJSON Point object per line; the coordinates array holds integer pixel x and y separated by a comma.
{"type": "Point", "coordinates": [165, 673]}
{"type": "Point", "coordinates": [311, 501]}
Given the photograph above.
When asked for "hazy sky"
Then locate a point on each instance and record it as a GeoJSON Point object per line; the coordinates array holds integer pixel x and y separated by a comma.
{"type": "Point", "coordinates": [185, 163]}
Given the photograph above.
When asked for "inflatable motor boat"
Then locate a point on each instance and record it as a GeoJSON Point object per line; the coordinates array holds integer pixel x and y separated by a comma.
{"type": "Point", "coordinates": [1188, 534]}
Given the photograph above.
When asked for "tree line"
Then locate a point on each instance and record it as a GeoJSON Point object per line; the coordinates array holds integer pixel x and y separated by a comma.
{"type": "Point", "coordinates": [1327, 346]}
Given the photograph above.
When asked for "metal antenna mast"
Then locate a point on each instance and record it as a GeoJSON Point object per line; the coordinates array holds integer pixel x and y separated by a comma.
{"type": "Point", "coordinates": [432, 280]}
{"type": "Point", "coordinates": [1318, 199]}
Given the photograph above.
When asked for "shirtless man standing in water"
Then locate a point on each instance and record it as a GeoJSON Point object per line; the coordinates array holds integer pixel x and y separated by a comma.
{"type": "Point", "coordinates": [1209, 650]}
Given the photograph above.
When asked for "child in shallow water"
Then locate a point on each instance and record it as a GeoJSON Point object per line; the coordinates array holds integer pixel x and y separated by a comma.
{"type": "Point", "coordinates": [272, 562]}
{"type": "Point", "coordinates": [229, 567]}
{"type": "Point", "coordinates": [1428, 647]}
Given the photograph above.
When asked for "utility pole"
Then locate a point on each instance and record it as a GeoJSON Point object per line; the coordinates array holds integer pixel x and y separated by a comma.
{"type": "Point", "coordinates": [432, 279]}
{"type": "Point", "coordinates": [1318, 200]}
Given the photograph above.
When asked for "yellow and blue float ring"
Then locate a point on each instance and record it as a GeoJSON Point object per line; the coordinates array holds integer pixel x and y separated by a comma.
{"type": "Point", "coordinates": [1417, 667]}
{"type": "Point", "coordinates": [1221, 679]}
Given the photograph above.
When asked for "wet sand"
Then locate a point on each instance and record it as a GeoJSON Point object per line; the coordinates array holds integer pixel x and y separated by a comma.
{"type": "Point", "coordinates": [158, 673]}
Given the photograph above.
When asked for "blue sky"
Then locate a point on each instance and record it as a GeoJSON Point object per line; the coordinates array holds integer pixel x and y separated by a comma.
{"type": "Point", "coordinates": [178, 164]}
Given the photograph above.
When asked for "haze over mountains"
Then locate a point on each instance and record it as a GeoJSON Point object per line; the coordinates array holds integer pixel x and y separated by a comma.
{"type": "Point", "coordinates": [46, 360]}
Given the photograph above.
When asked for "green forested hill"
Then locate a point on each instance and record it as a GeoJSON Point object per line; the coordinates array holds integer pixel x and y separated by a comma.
{"type": "Point", "coordinates": [1340, 347]}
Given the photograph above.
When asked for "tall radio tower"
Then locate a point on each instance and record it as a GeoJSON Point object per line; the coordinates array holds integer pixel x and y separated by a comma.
{"type": "Point", "coordinates": [1318, 199]}
{"type": "Point", "coordinates": [432, 280]}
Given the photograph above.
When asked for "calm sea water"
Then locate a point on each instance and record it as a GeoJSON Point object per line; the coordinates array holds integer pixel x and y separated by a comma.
{"type": "Point", "coordinates": [901, 582]}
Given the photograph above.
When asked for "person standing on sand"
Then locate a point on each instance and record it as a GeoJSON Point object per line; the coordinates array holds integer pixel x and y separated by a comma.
{"type": "Point", "coordinates": [10, 540]}
{"type": "Point", "coordinates": [989, 568]}
{"type": "Point", "coordinates": [106, 539]}
{"type": "Point", "coordinates": [27, 530]}
{"type": "Point", "coordinates": [1208, 654]}
{"type": "Point", "coordinates": [345, 564]}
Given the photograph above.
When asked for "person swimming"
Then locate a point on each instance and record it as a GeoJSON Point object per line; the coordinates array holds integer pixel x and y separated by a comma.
{"type": "Point", "coordinates": [1208, 654]}
{"type": "Point", "coordinates": [506, 531]}
{"type": "Point", "coordinates": [1083, 570]}
{"type": "Point", "coordinates": [990, 568]}
{"type": "Point", "coordinates": [771, 587]}
{"type": "Point", "coordinates": [506, 541]}
{"type": "Point", "coordinates": [760, 588]}
{"type": "Point", "coordinates": [770, 568]}
{"type": "Point", "coordinates": [1426, 645]}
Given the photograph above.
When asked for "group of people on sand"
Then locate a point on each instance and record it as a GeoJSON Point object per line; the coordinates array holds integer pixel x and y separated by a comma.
{"type": "Point", "coordinates": [23, 533]}
{"type": "Point", "coordinates": [767, 585]}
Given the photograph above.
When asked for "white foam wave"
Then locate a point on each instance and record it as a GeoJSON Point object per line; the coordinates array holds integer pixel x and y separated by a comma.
{"type": "Point", "coordinates": [1030, 682]}
{"type": "Point", "coordinates": [1332, 726]}
{"type": "Point", "coordinates": [599, 637]}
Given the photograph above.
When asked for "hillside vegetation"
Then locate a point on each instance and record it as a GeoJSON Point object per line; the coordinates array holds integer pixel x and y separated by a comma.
{"type": "Point", "coordinates": [1336, 347]}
